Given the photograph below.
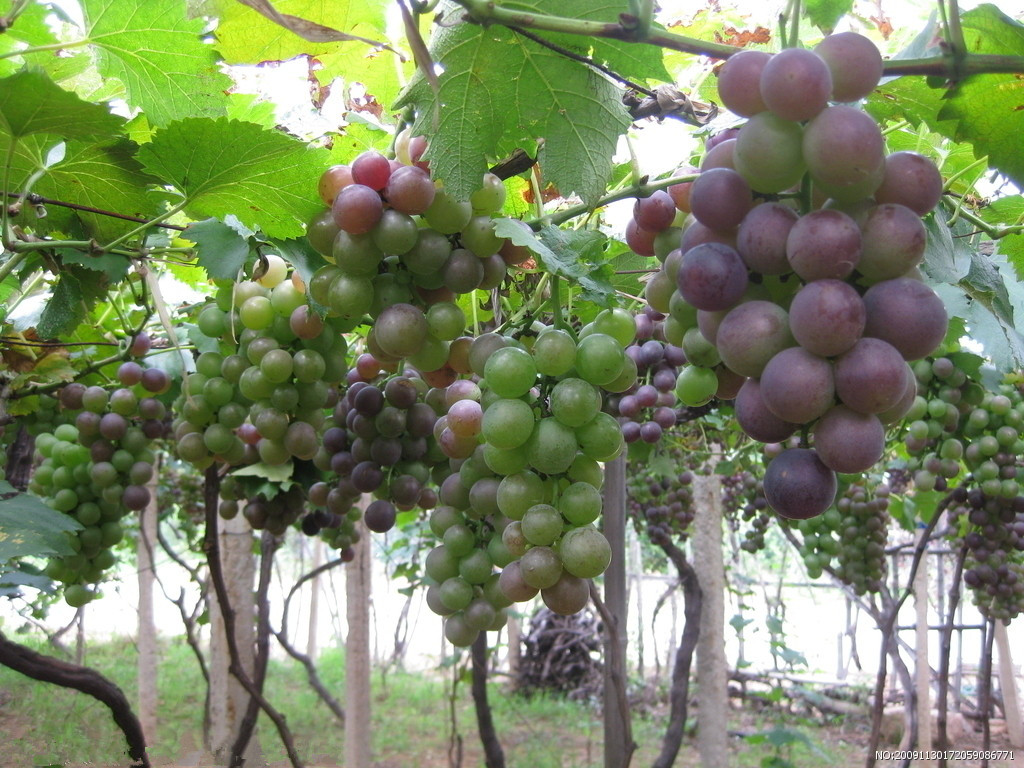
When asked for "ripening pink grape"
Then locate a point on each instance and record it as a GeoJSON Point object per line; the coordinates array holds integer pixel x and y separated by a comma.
{"type": "Point", "coordinates": [371, 169]}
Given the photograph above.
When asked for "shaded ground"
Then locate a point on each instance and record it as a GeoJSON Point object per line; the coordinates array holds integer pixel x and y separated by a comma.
{"type": "Point", "coordinates": [44, 726]}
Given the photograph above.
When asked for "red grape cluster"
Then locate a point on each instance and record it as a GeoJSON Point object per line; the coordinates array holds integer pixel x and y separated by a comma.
{"type": "Point", "coordinates": [661, 507]}
{"type": "Point", "coordinates": [818, 309]}
{"type": "Point", "coordinates": [995, 545]}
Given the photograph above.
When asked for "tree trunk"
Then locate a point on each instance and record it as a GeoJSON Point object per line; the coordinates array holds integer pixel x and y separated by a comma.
{"type": "Point", "coordinates": [680, 693]}
{"type": "Point", "coordinates": [1008, 688]}
{"type": "Point", "coordinates": [314, 599]}
{"type": "Point", "coordinates": [147, 640]}
{"type": "Point", "coordinates": [618, 746]}
{"type": "Point", "coordinates": [712, 676]}
{"type": "Point", "coordinates": [494, 755]}
{"type": "Point", "coordinates": [228, 699]}
{"type": "Point", "coordinates": [515, 647]}
{"type": "Point", "coordinates": [358, 753]}
{"type": "Point", "coordinates": [922, 670]}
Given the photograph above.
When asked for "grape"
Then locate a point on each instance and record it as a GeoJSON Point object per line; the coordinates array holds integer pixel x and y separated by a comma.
{"type": "Point", "coordinates": [696, 386]}
{"type": "Point", "coordinates": [554, 352]}
{"type": "Point", "coordinates": [751, 334]}
{"type": "Point", "coordinates": [513, 585]}
{"type": "Point", "coordinates": [797, 386]}
{"type": "Point", "coordinates": [739, 81]}
{"type": "Point", "coordinates": [371, 169]}
{"type": "Point", "coordinates": [796, 84]}
{"type": "Point", "coordinates": [463, 271]}
{"type": "Point", "coordinates": [401, 329]}
{"type": "Point", "coordinates": [599, 359]}
{"type": "Point", "coordinates": [844, 149]}
{"type": "Point", "coordinates": [827, 317]}
{"type": "Point", "coordinates": [569, 595]}
{"type": "Point", "coordinates": [824, 244]}
{"type": "Point", "coordinates": [769, 153]}
{"type": "Point", "coordinates": [551, 447]}
{"type": "Point", "coordinates": [912, 180]}
{"type": "Point", "coordinates": [762, 235]}
{"type": "Point", "coordinates": [639, 240]}
{"type": "Point", "coordinates": [510, 372]}
{"type": "Point", "coordinates": [654, 213]}
{"type": "Point", "coordinates": [585, 552]}
{"type": "Point", "coordinates": [574, 402]}
{"type": "Point", "coordinates": [446, 214]}
{"type": "Point", "coordinates": [712, 276]}
{"type": "Point", "coordinates": [720, 156]}
{"type": "Point", "coordinates": [894, 239]}
{"type": "Point", "coordinates": [907, 314]}
{"type": "Point", "coordinates": [720, 198]}
{"type": "Point", "coordinates": [798, 486]}
{"type": "Point", "coordinates": [754, 417]}
{"type": "Point", "coordinates": [847, 441]}
{"type": "Point", "coordinates": [871, 376]}
{"type": "Point", "coordinates": [357, 209]}
{"type": "Point", "coordinates": [854, 62]}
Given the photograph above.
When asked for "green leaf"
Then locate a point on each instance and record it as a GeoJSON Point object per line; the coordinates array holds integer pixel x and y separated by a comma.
{"type": "Point", "coordinates": [29, 29]}
{"type": "Point", "coordinates": [994, 293]}
{"type": "Point", "coordinates": [29, 527]}
{"type": "Point", "coordinates": [570, 253]}
{"type": "Point", "coordinates": [300, 255]}
{"type": "Point", "coordinates": [222, 166]}
{"type": "Point", "coordinates": [273, 473]}
{"type": "Point", "coordinates": [221, 250]}
{"type": "Point", "coordinates": [65, 309]}
{"type": "Point", "coordinates": [989, 109]}
{"type": "Point", "coordinates": [247, 37]}
{"type": "Point", "coordinates": [159, 55]}
{"type": "Point", "coordinates": [948, 254]}
{"type": "Point", "coordinates": [825, 13]}
{"type": "Point", "coordinates": [497, 91]}
{"type": "Point", "coordinates": [30, 103]}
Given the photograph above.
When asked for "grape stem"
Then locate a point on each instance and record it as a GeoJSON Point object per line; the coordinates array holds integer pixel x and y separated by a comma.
{"type": "Point", "coordinates": [644, 189]}
{"type": "Point", "coordinates": [485, 12]}
{"type": "Point", "coordinates": [556, 302]}
{"type": "Point", "coordinates": [35, 199]}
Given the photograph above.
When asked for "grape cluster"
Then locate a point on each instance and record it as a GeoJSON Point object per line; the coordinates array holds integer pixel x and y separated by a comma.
{"type": "Point", "coordinates": [797, 270]}
{"type": "Point", "coordinates": [379, 440]}
{"type": "Point", "coordinates": [853, 534]}
{"type": "Point", "coordinates": [646, 410]}
{"type": "Point", "coordinates": [525, 440]}
{"type": "Point", "coordinates": [955, 422]}
{"type": "Point", "coordinates": [995, 545]}
{"type": "Point", "coordinates": [401, 249]}
{"type": "Point", "coordinates": [97, 468]}
{"type": "Point", "coordinates": [744, 501]}
{"type": "Point", "coordinates": [661, 507]}
{"type": "Point", "coordinates": [261, 395]}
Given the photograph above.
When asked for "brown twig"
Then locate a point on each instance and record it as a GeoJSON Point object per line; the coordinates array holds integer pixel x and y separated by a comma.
{"type": "Point", "coordinates": [211, 545]}
{"type": "Point", "coordinates": [494, 755]}
{"type": "Point", "coordinates": [48, 669]}
{"type": "Point", "coordinates": [35, 199]}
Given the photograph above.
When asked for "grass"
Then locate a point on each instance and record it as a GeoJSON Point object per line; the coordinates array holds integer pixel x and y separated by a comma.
{"type": "Point", "coordinates": [42, 725]}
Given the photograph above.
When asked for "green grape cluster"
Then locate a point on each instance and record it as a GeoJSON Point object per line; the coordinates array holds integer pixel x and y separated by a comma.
{"type": "Point", "coordinates": [795, 288]}
{"type": "Point", "coordinates": [850, 537]}
{"type": "Point", "coordinates": [992, 528]}
{"type": "Point", "coordinates": [97, 470]}
{"type": "Point", "coordinates": [526, 441]}
{"type": "Point", "coordinates": [262, 395]}
{"type": "Point", "coordinates": [401, 249]}
{"type": "Point", "coordinates": [956, 423]}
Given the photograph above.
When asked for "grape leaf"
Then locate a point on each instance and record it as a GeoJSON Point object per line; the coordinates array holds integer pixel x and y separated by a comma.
{"type": "Point", "coordinates": [989, 109]}
{"type": "Point", "coordinates": [30, 527]}
{"type": "Point", "coordinates": [499, 89]}
{"type": "Point", "coordinates": [825, 13]}
{"type": "Point", "coordinates": [247, 37]}
{"type": "Point", "coordinates": [159, 55]}
{"type": "Point", "coordinates": [948, 255]}
{"type": "Point", "coordinates": [222, 166]}
{"type": "Point", "coordinates": [29, 29]}
{"type": "Point", "coordinates": [571, 253]}
{"type": "Point", "coordinates": [990, 316]}
{"type": "Point", "coordinates": [221, 250]}
{"type": "Point", "coordinates": [30, 103]}
{"type": "Point", "coordinates": [300, 255]}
